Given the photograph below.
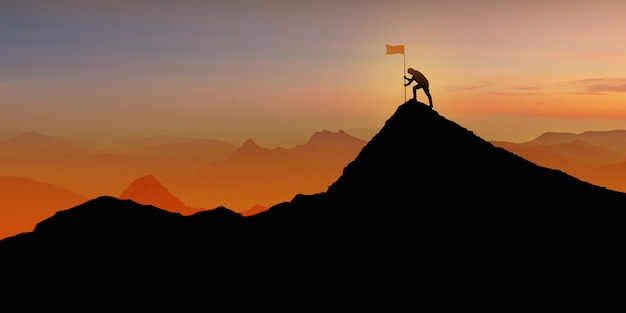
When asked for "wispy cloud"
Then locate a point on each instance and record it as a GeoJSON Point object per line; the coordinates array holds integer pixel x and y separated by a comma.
{"type": "Point", "coordinates": [467, 87]}
{"type": "Point", "coordinates": [504, 93]}
{"type": "Point", "coordinates": [522, 90]}
{"type": "Point", "coordinates": [599, 86]}
{"type": "Point", "coordinates": [518, 91]}
{"type": "Point", "coordinates": [527, 87]}
{"type": "Point", "coordinates": [612, 87]}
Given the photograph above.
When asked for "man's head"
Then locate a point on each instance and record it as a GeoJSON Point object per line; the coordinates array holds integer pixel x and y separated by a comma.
{"type": "Point", "coordinates": [411, 71]}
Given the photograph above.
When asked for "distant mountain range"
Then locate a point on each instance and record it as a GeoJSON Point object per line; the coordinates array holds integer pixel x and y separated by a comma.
{"type": "Point", "coordinates": [33, 143]}
{"type": "Point", "coordinates": [24, 202]}
{"type": "Point", "coordinates": [254, 175]}
{"type": "Point", "coordinates": [211, 173]}
{"type": "Point", "coordinates": [426, 209]}
{"type": "Point", "coordinates": [148, 190]}
{"type": "Point", "coordinates": [253, 178]}
{"type": "Point", "coordinates": [93, 172]}
{"type": "Point", "coordinates": [598, 157]}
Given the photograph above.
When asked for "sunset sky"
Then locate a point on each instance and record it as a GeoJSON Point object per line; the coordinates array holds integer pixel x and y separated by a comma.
{"type": "Point", "coordinates": [277, 71]}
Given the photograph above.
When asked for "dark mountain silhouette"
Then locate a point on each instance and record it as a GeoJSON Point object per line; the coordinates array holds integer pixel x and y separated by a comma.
{"type": "Point", "coordinates": [25, 202]}
{"type": "Point", "coordinates": [426, 212]}
{"type": "Point", "coordinates": [148, 190]}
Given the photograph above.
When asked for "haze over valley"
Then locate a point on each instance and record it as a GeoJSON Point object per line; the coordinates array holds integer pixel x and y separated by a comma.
{"type": "Point", "coordinates": [200, 173]}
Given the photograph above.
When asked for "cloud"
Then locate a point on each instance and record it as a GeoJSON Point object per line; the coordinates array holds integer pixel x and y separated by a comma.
{"type": "Point", "coordinates": [527, 87]}
{"type": "Point", "coordinates": [514, 93]}
{"type": "Point", "coordinates": [588, 81]}
{"type": "Point", "coordinates": [599, 86]}
{"type": "Point", "coordinates": [609, 87]}
{"type": "Point", "coordinates": [524, 91]}
{"type": "Point", "coordinates": [519, 90]}
{"type": "Point", "coordinates": [467, 87]}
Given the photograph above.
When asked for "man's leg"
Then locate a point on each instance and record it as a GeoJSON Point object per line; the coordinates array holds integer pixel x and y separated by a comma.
{"type": "Point", "coordinates": [430, 99]}
{"type": "Point", "coordinates": [415, 88]}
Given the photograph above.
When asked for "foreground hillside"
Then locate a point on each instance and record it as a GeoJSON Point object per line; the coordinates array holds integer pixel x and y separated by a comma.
{"type": "Point", "coordinates": [425, 209]}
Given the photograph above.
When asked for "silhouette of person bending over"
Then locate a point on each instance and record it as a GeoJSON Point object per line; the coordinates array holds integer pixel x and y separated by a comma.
{"type": "Point", "coordinates": [422, 83]}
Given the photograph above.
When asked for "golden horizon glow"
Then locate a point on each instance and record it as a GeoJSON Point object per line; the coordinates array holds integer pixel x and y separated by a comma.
{"type": "Point", "coordinates": [278, 65]}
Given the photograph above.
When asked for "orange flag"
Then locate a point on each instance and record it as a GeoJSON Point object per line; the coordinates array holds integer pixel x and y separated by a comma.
{"type": "Point", "coordinates": [395, 49]}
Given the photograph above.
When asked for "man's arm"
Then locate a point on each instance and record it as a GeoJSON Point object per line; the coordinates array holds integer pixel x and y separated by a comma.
{"type": "Point", "coordinates": [410, 80]}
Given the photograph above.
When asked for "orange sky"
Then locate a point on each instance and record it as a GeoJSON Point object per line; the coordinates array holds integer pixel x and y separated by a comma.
{"type": "Point", "coordinates": [277, 71]}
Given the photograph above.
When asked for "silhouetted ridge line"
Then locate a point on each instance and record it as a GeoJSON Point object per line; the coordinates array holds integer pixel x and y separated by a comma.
{"type": "Point", "coordinates": [420, 153]}
{"type": "Point", "coordinates": [426, 201]}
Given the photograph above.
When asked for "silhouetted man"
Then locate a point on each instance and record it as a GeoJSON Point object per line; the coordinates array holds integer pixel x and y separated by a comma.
{"type": "Point", "coordinates": [421, 81]}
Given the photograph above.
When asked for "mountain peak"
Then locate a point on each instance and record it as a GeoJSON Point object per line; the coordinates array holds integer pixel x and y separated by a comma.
{"type": "Point", "coordinates": [143, 184]}
{"type": "Point", "coordinates": [248, 148]}
{"type": "Point", "coordinates": [419, 153]}
{"type": "Point", "coordinates": [148, 190]}
{"type": "Point", "coordinates": [249, 144]}
{"type": "Point", "coordinates": [325, 134]}
{"type": "Point", "coordinates": [328, 137]}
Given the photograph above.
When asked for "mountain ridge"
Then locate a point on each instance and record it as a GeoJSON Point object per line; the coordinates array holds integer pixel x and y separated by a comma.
{"type": "Point", "coordinates": [256, 175]}
{"type": "Point", "coordinates": [409, 213]}
{"type": "Point", "coordinates": [33, 142]}
{"type": "Point", "coordinates": [361, 179]}
{"type": "Point", "coordinates": [598, 157]}
{"type": "Point", "coordinates": [592, 136]}
{"type": "Point", "coordinates": [26, 202]}
{"type": "Point", "coordinates": [149, 190]}
{"type": "Point", "coordinates": [174, 160]}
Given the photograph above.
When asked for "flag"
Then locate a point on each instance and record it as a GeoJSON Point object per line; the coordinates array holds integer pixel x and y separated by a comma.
{"type": "Point", "coordinates": [395, 49]}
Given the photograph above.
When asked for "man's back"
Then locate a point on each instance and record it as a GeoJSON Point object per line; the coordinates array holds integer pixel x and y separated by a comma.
{"type": "Point", "coordinates": [418, 76]}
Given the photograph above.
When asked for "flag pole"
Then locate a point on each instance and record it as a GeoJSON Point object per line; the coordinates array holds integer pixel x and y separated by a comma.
{"type": "Point", "coordinates": [403, 73]}
{"type": "Point", "coordinates": [395, 50]}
